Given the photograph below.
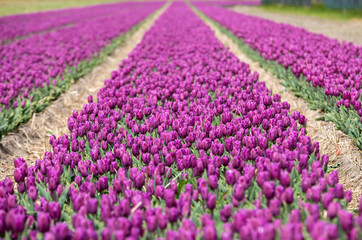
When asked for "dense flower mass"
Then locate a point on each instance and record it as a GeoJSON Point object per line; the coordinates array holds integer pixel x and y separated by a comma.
{"type": "Point", "coordinates": [36, 61]}
{"type": "Point", "coordinates": [325, 63]}
{"type": "Point", "coordinates": [183, 142]}
{"type": "Point", "coordinates": [16, 26]}
{"type": "Point", "coordinates": [36, 69]}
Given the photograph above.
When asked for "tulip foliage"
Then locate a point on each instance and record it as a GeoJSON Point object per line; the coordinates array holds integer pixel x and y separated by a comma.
{"type": "Point", "coordinates": [35, 70]}
{"type": "Point", "coordinates": [323, 71]}
{"type": "Point", "coordinates": [183, 142]}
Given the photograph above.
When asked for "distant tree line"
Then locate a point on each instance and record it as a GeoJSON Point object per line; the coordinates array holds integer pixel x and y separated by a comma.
{"type": "Point", "coordinates": [336, 4]}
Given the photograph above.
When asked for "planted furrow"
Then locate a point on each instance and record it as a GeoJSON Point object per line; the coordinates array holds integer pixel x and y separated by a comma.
{"type": "Point", "coordinates": [36, 70]}
{"type": "Point", "coordinates": [23, 25]}
{"type": "Point", "coordinates": [182, 142]}
{"type": "Point", "coordinates": [31, 140]}
{"type": "Point", "coordinates": [345, 157]}
{"type": "Point", "coordinates": [322, 71]}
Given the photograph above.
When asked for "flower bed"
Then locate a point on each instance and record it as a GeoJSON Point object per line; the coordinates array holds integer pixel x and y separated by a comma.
{"type": "Point", "coordinates": [22, 25]}
{"type": "Point", "coordinates": [323, 71]}
{"type": "Point", "coordinates": [37, 69]}
{"type": "Point", "coordinates": [183, 142]}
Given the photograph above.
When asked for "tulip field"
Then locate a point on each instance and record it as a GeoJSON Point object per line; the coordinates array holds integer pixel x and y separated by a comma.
{"type": "Point", "coordinates": [183, 141]}
{"type": "Point", "coordinates": [324, 72]}
{"type": "Point", "coordinates": [33, 72]}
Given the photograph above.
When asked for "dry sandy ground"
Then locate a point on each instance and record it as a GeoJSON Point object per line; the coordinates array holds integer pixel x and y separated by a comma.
{"type": "Point", "coordinates": [348, 30]}
{"type": "Point", "coordinates": [31, 140]}
{"type": "Point", "coordinates": [330, 139]}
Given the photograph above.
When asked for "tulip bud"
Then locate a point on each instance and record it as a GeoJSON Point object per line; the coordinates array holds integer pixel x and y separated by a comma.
{"type": "Point", "coordinates": [43, 221]}
{"type": "Point", "coordinates": [33, 193]}
{"type": "Point", "coordinates": [169, 197]}
{"type": "Point", "coordinates": [346, 220]}
{"type": "Point", "coordinates": [211, 201]}
{"type": "Point", "coordinates": [54, 210]}
{"type": "Point", "coordinates": [333, 209]}
{"type": "Point", "coordinates": [269, 189]}
{"type": "Point", "coordinates": [213, 182]}
{"type": "Point", "coordinates": [139, 181]}
{"type": "Point", "coordinates": [230, 177]}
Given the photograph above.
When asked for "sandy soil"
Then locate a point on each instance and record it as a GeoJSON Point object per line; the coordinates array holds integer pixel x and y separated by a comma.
{"type": "Point", "coordinates": [343, 30]}
{"type": "Point", "coordinates": [330, 139]}
{"type": "Point", "coordinates": [31, 140]}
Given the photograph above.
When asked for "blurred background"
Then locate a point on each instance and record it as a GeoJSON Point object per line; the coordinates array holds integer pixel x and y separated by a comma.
{"type": "Point", "coordinates": [333, 9]}
{"type": "Point", "coordinates": [10, 7]}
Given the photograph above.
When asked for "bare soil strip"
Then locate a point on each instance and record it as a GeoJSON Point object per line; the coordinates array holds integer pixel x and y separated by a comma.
{"type": "Point", "coordinates": [347, 30]}
{"type": "Point", "coordinates": [31, 140]}
{"type": "Point", "coordinates": [349, 160]}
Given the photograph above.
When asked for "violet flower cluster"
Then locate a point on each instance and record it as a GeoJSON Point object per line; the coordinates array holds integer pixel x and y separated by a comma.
{"type": "Point", "coordinates": [40, 60]}
{"type": "Point", "coordinates": [183, 142]}
{"type": "Point", "coordinates": [16, 26]}
{"type": "Point", "coordinates": [326, 63]}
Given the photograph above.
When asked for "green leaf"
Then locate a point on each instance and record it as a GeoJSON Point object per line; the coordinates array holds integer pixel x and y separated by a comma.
{"type": "Point", "coordinates": [63, 197]}
{"type": "Point", "coordinates": [43, 191]}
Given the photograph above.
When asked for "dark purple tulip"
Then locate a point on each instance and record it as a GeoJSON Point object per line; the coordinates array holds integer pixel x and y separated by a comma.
{"type": "Point", "coordinates": [333, 209]}
{"type": "Point", "coordinates": [213, 182]}
{"type": "Point", "coordinates": [169, 197]}
{"type": "Point", "coordinates": [316, 193]}
{"type": "Point", "coordinates": [327, 198]}
{"type": "Point", "coordinates": [172, 214]}
{"type": "Point", "coordinates": [139, 181]}
{"type": "Point", "coordinates": [54, 210]}
{"type": "Point", "coordinates": [269, 189]}
{"type": "Point", "coordinates": [348, 195]}
{"type": "Point", "coordinates": [346, 220]}
{"type": "Point", "coordinates": [162, 221]}
{"type": "Point", "coordinates": [124, 207]}
{"type": "Point", "coordinates": [284, 178]}
{"type": "Point", "coordinates": [92, 206]}
{"type": "Point", "coordinates": [225, 213]}
{"type": "Point", "coordinates": [17, 222]}
{"type": "Point", "coordinates": [119, 235]}
{"type": "Point", "coordinates": [209, 232]}
{"type": "Point", "coordinates": [18, 175]}
{"type": "Point", "coordinates": [288, 195]}
{"type": "Point", "coordinates": [239, 192]}
{"type": "Point", "coordinates": [43, 220]}
{"type": "Point", "coordinates": [102, 184]}
{"type": "Point", "coordinates": [339, 192]}
{"type": "Point", "coordinates": [211, 201]}
{"type": "Point", "coordinates": [33, 193]}
{"type": "Point", "coordinates": [230, 177]}
{"type": "Point", "coordinates": [151, 223]}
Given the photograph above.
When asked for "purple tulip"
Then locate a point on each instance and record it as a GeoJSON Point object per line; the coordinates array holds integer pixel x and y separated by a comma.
{"type": "Point", "coordinates": [269, 189]}
{"type": "Point", "coordinates": [213, 182]}
{"type": "Point", "coordinates": [54, 210]}
{"type": "Point", "coordinates": [43, 220]}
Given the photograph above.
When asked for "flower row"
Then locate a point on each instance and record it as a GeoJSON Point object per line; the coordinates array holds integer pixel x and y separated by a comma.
{"type": "Point", "coordinates": [16, 26]}
{"type": "Point", "coordinates": [35, 70]}
{"type": "Point", "coordinates": [323, 71]}
{"type": "Point", "coordinates": [183, 142]}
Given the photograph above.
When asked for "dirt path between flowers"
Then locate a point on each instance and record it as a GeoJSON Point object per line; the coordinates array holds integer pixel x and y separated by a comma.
{"type": "Point", "coordinates": [347, 30]}
{"type": "Point", "coordinates": [31, 140]}
{"type": "Point", "coordinates": [330, 139]}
